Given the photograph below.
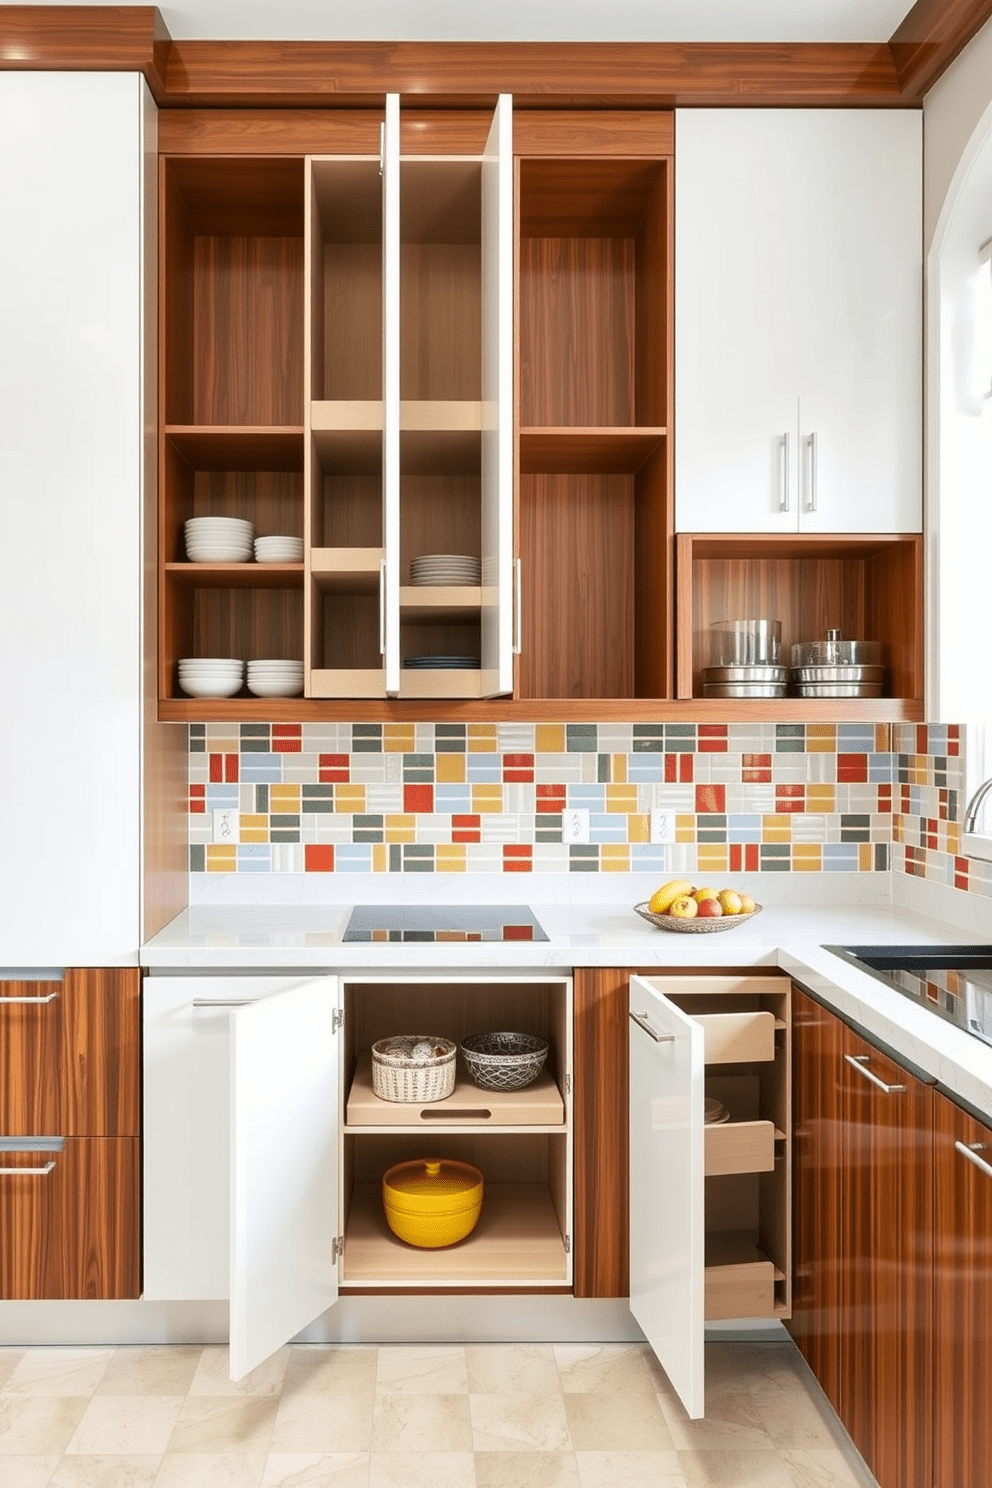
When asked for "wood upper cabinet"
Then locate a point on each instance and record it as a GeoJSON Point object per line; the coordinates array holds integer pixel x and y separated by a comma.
{"type": "Point", "coordinates": [863, 1237]}
{"type": "Point", "coordinates": [70, 1182]}
{"type": "Point", "coordinates": [799, 321]}
{"type": "Point", "coordinates": [962, 1297]}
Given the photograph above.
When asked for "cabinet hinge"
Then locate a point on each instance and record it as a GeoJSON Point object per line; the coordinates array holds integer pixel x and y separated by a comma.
{"type": "Point", "coordinates": [337, 1019]}
{"type": "Point", "coordinates": [568, 1244]}
{"type": "Point", "coordinates": [568, 1084]}
{"type": "Point", "coordinates": [337, 1247]}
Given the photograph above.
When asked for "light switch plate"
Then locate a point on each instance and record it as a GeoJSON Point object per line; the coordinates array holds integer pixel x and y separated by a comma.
{"type": "Point", "coordinates": [575, 825]}
{"type": "Point", "coordinates": [662, 826]}
{"type": "Point", "coordinates": [227, 824]}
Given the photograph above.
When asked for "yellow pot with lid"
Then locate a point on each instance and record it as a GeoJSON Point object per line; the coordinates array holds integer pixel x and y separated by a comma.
{"type": "Point", "coordinates": [432, 1201]}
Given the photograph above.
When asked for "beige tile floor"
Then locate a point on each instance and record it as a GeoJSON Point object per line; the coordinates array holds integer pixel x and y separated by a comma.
{"type": "Point", "coordinates": [424, 1416]}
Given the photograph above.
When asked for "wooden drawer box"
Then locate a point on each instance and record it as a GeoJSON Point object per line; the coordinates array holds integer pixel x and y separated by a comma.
{"type": "Point", "coordinates": [739, 1147]}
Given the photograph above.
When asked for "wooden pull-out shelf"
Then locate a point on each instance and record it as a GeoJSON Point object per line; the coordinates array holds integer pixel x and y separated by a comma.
{"type": "Point", "coordinates": [740, 1280]}
{"type": "Point", "coordinates": [739, 1147]}
{"type": "Point", "coordinates": [737, 1038]}
{"type": "Point", "coordinates": [539, 1104]}
{"type": "Point", "coordinates": [517, 1239]}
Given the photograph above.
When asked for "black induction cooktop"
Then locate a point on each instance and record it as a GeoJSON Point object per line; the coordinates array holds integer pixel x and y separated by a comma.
{"type": "Point", "coordinates": [955, 982]}
{"type": "Point", "coordinates": [442, 922]}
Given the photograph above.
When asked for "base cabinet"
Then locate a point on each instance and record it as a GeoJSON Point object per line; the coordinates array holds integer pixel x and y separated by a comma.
{"type": "Point", "coordinates": [70, 1136]}
{"type": "Point", "coordinates": [863, 1227]}
{"type": "Point", "coordinates": [962, 1297]}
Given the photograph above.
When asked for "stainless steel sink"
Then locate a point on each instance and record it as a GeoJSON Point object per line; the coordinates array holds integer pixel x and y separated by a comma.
{"type": "Point", "coordinates": [953, 981]}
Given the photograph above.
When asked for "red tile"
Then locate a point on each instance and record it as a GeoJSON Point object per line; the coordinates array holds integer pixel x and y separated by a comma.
{"type": "Point", "coordinates": [286, 746]}
{"type": "Point", "coordinates": [231, 763]}
{"type": "Point", "coordinates": [550, 798]}
{"type": "Point", "coordinates": [711, 798]}
{"type": "Point", "coordinates": [518, 768]}
{"type": "Point", "coordinates": [852, 768]}
{"type": "Point", "coordinates": [954, 739]}
{"type": "Point", "coordinates": [216, 769]}
{"type": "Point", "coordinates": [517, 857]}
{"type": "Point", "coordinates": [418, 798]}
{"type": "Point", "coordinates": [790, 798]}
{"type": "Point", "coordinates": [197, 804]}
{"type": "Point", "coordinates": [921, 738]}
{"type": "Point", "coordinates": [287, 731]}
{"type": "Point", "coordinates": [333, 769]}
{"type": "Point", "coordinates": [685, 769]}
{"type": "Point", "coordinates": [517, 777]}
{"type": "Point", "coordinates": [756, 769]}
{"type": "Point", "coordinates": [671, 768]}
{"type": "Point", "coordinates": [750, 857]}
{"type": "Point", "coordinates": [711, 738]}
{"type": "Point", "coordinates": [318, 857]}
{"type": "Point", "coordinates": [466, 828]}
{"type": "Point", "coordinates": [736, 857]}
{"type": "Point", "coordinates": [198, 790]}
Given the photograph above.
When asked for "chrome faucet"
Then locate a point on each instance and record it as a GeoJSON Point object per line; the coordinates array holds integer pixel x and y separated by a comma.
{"type": "Point", "coordinates": [973, 806]}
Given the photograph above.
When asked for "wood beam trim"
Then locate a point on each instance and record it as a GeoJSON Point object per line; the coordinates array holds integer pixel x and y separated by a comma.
{"type": "Point", "coordinates": [927, 41]}
{"type": "Point", "coordinates": [81, 38]}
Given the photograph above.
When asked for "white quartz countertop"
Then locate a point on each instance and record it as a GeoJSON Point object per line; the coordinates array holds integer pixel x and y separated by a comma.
{"type": "Point", "coordinates": [584, 931]}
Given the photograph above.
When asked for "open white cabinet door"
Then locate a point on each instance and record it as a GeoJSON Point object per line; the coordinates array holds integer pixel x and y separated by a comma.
{"type": "Point", "coordinates": [667, 1260]}
{"type": "Point", "coordinates": [497, 403]}
{"type": "Point", "coordinates": [284, 1167]}
{"type": "Point", "coordinates": [389, 576]}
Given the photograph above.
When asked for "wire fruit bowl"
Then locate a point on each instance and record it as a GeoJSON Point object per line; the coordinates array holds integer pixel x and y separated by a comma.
{"type": "Point", "coordinates": [694, 926]}
{"type": "Point", "coordinates": [504, 1061]}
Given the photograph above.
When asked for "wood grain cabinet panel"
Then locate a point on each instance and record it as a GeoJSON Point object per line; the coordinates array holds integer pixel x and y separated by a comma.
{"type": "Point", "coordinates": [962, 1298]}
{"type": "Point", "coordinates": [70, 1220]}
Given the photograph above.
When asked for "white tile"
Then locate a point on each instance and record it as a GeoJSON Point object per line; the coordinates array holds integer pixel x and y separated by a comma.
{"type": "Point", "coordinates": [211, 1470]}
{"type": "Point", "coordinates": [213, 1378]}
{"type": "Point", "coordinates": [422, 1369]}
{"type": "Point", "coordinates": [58, 1371]}
{"type": "Point", "coordinates": [224, 1423]}
{"type": "Point", "coordinates": [527, 1470]}
{"type": "Point", "coordinates": [27, 1472]}
{"type": "Point", "coordinates": [825, 1467]}
{"type": "Point", "coordinates": [316, 1470]}
{"type": "Point", "coordinates": [629, 1469]}
{"type": "Point", "coordinates": [510, 1423]}
{"type": "Point", "coordinates": [163, 1369]}
{"type": "Point", "coordinates": [38, 1423]}
{"type": "Point", "coordinates": [422, 1470]}
{"type": "Point", "coordinates": [105, 1472]}
{"type": "Point", "coordinates": [129, 1425]}
{"type": "Point", "coordinates": [512, 1368]}
{"type": "Point", "coordinates": [421, 1423]}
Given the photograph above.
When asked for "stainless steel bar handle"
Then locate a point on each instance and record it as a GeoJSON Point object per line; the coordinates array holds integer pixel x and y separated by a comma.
{"type": "Point", "coordinates": [860, 1063]}
{"type": "Point", "coordinates": [811, 477]}
{"type": "Point", "coordinates": [222, 1002]}
{"type": "Point", "coordinates": [37, 1172]}
{"type": "Point", "coordinates": [641, 1019]}
{"type": "Point", "coordinates": [382, 606]}
{"type": "Point", "coordinates": [517, 607]}
{"type": "Point", "coordinates": [971, 1153]}
{"type": "Point", "coordinates": [50, 998]}
{"type": "Point", "coordinates": [783, 485]}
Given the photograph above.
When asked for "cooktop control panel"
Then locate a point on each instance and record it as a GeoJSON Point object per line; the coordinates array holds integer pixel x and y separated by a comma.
{"type": "Point", "coordinates": [442, 922]}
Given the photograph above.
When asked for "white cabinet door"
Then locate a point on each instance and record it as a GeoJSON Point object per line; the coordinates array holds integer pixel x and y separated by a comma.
{"type": "Point", "coordinates": [72, 321]}
{"type": "Point", "coordinates": [389, 577]}
{"type": "Point", "coordinates": [798, 322]}
{"type": "Point", "coordinates": [284, 1167]}
{"type": "Point", "coordinates": [666, 1187]}
{"type": "Point", "coordinates": [497, 403]}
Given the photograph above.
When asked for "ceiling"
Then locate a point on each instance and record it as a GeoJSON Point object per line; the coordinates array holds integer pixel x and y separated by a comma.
{"type": "Point", "coordinates": [533, 20]}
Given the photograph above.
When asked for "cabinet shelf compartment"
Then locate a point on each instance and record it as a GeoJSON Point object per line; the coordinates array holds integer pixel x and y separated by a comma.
{"type": "Point", "coordinates": [221, 618]}
{"type": "Point", "coordinates": [232, 290]}
{"type": "Point", "coordinates": [870, 587]}
{"type": "Point", "coordinates": [520, 1236]}
{"type": "Point", "coordinates": [344, 273]}
{"type": "Point", "coordinates": [538, 1104]}
{"type": "Point", "coordinates": [441, 306]}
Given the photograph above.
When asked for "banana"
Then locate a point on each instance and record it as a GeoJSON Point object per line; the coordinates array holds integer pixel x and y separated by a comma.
{"type": "Point", "coordinates": [662, 899]}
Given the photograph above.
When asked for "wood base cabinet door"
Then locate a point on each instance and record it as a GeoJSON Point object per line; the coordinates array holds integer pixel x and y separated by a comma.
{"type": "Point", "coordinates": [963, 1298]}
{"type": "Point", "coordinates": [69, 1218]}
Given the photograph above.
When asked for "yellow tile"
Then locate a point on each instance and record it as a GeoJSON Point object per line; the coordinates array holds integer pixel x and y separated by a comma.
{"type": "Point", "coordinates": [221, 858]}
{"type": "Point", "coordinates": [549, 738]}
{"type": "Point", "coordinates": [349, 798]}
{"type": "Point", "coordinates": [713, 858]}
{"type": "Point", "coordinates": [621, 798]}
{"type": "Point", "coordinates": [638, 827]}
{"type": "Point", "coordinates": [380, 858]}
{"type": "Point", "coordinates": [487, 798]}
{"type": "Point", "coordinates": [618, 768]}
{"type": "Point", "coordinates": [252, 821]}
{"type": "Point", "coordinates": [776, 829]}
{"type": "Point", "coordinates": [954, 838]}
{"type": "Point", "coordinates": [400, 829]}
{"type": "Point", "coordinates": [449, 769]}
{"type": "Point", "coordinates": [284, 798]}
{"type": "Point", "coordinates": [821, 797]}
{"type": "Point", "coordinates": [820, 731]}
{"type": "Point", "coordinates": [450, 857]}
{"type": "Point", "coordinates": [883, 738]}
{"type": "Point", "coordinates": [806, 852]}
{"type": "Point", "coordinates": [822, 743]}
{"type": "Point", "coordinates": [399, 738]}
{"type": "Point", "coordinates": [401, 820]}
{"type": "Point", "coordinates": [482, 738]}
{"type": "Point", "coordinates": [614, 857]}
{"type": "Point", "coordinates": [807, 865]}
{"type": "Point", "coordinates": [866, 855]}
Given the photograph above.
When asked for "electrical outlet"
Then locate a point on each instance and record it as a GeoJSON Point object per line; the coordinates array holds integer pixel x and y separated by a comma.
{"type": "Point", "coordinates": [227, 825]}
{"type": "Point", "coordinates": [575, 825]}
{"type": "Point", "coordinates": [662, 826]}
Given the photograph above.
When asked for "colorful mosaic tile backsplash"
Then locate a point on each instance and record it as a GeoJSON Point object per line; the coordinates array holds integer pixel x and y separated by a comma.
{"type": "Point", "coordinates": [447, 797]}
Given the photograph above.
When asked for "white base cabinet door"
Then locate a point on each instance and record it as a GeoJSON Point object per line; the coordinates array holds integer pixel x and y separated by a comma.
{"type": "Point", "coordinates": [666, 1187]}
{"type": "Point", "coordinates": [798, 320]}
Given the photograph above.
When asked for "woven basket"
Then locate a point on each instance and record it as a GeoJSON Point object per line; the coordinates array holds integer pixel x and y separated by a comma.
{"type": "Point", "coordinates": [504, 1061]}
{"type": "Point", "coordinates": [401, 1074]}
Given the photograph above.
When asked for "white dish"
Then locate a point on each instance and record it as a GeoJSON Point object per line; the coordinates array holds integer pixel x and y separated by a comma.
{"type": "Point", "coordinates": [279, 549]}
{"type": "Point", "coordinates": [218, 524]}
{"type": "Point", "coordinates": [197, 687]}
{"type": "Point", "coordinates": [263, 687]}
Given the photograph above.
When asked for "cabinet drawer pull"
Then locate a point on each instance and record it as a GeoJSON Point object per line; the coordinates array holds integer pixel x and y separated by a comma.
{"type": "Point", "coordinates": [859, 1062]}
{"type": "Point", "coordinates": [971, 1153]}
{"type": "Point", "coordinates": [811, 475]}
{"type": "Point", "coordinates": [783, 488]}
{"type": "Point", "coordinates": [29, 1171]}
{"type": "Point", "coordinates": [50, 998]}
{"type": "Point", "coordinates": [517, 607]}
{"type": "Point", "coordinates": [222, 1002]}
{"type": "Point", "coordinates": [641, 1019]}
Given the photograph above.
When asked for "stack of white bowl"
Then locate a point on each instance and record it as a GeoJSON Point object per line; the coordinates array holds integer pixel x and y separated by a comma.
{"type": "Point", "coordinates": [219, 539]}
{"type": "Point", "coordinates": [275, 678]}
{"type": "Point", "coordinates": [278, 550]}
{"type": "Point", "coordinates": [211, 676]}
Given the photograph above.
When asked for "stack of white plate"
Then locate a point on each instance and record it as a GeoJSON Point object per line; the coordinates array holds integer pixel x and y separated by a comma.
{"type": "Point", "coordinates": [275, 678]}
{"type": "Point", "coordinates": [211, 676]}
{"type": "Point", "coordinates": [445, 568]}
{"type": "Point", "coordinates": [442, 663]}
{"type": "Point", "coordinates": [278, 550]}
{"type": "Point", "coordinates": [219, 539]}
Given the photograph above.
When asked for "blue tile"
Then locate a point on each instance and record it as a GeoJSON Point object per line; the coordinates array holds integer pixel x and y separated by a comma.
{"type": "Point", "coordinates": [353, 857]}
{"type": "Point", "coordinates": [261, 767]}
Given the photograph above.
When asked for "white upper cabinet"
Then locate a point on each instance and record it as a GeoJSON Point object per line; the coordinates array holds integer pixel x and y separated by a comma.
{"type": "Point", "coordinates": [73, 154]}
{"type": "Point", "coordinates": [798, 321]}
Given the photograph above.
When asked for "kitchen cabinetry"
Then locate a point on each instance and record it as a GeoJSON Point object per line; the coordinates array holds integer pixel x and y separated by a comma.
{"type": "Point", "coordinates": [863, 1305]}
{"type": "Point", "coordinates": [799, 320]}
{"type": "Point", "coordinates": [337, 334]}
{"type": "Point", "coordinates": [70, 1135]}
{"type": "Point", "coordinates": [962, 1296]}
{"type": "Point", "coordinates": [285, 1207]}
{"type": "Point", "coordinates": [709, 1204]}
{"type": "Point", "coordinates": [73, 282]}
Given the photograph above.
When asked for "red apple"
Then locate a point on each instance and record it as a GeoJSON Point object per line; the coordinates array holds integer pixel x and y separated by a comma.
{"type": "Point", "coordinates": [709, 909]}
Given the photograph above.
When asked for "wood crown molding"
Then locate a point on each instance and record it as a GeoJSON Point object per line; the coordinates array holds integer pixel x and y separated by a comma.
{"type": "Point", "coordinates": [312, 74]}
